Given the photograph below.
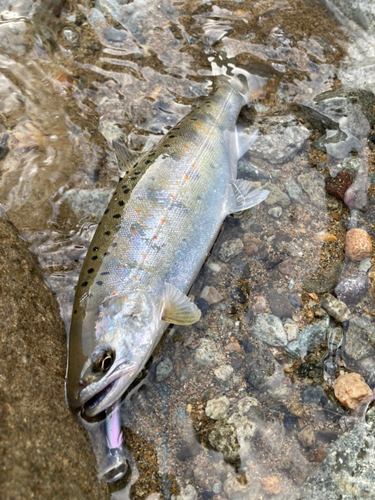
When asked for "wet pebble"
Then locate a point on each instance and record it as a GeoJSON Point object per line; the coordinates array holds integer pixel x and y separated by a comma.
{"type": "Point", "coordinates": [358, 245]}
{"type": "Point", "coordinates": [275, 212]}
{"type": "Point", "coordinates": [312, 395]}
{"type": "Point", "coordinates": [247, 170]}
{"type": "Point", "coordinates": [293, 189]}
{"type": "Point", "coordinates": [164, 369]}
{"type": "Point", "coordinates": [271, 485]}
{"type": "Point", "coordinates": [364, 265]}
{"type": "Point", "coordinates": [4, 149]}
{"type": "Point", "coordinates": [359, 338]}
{"type": "Point", "coordinates": [291, 330]}
{"type": "Point", "coordinates": [307, 436]}
{"type": "Point", "coordinates": [335, 308]}
{"type": "Point", "coordinates": [224, 374]}
{"type": "Point", "coordinates": [286, 267]}
{"type": "Point", "coordinates": [276, 196]}
{"type": "Point", "coordinates": [351, 389]}
{"type": "Point", "coordinates": [313, 184]}
{"type": "Point", "coordinates": [259, 366]}
{"type": "Point", "coordinates": [260, 304]}
{"type": "Point", "coordinates": [269, 329]}
{"type": "Point", "coordinates": [217, 408]}
{"type": "Point", "coordinates": [279, 304]}
{"type": "Point", "coordinates": [234, 489]}
{"type": "Point", "coordinates": [187, 493]}
{"type": "Point", "coordinates": [308, 339]}
{"type": "Point", "coordinates": [351, 290]}
{"type": "Point", "coordinates": [208, 353]}
{"type": "Point", "coordinates": [211, 295]}
{"type": "Point", "coordinates": [223, 439]}
{"type": "Point", "coordinates": [230, 249]}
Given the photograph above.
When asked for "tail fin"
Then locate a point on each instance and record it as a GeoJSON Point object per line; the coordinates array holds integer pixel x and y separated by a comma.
{"type": "Point", "coordinates": [249, 85]}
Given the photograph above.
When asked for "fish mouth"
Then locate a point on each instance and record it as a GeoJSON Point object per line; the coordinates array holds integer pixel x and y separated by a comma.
{"type": "Point", "coordinates": [90, 408]}
{"type": "Point", "coordinates": [95, 399]}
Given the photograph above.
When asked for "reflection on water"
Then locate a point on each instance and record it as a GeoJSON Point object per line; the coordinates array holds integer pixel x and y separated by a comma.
{"type": "Point", "coordinates": [242, 404]}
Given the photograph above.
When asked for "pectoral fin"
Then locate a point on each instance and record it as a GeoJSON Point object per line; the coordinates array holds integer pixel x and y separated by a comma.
{"type": "Point", "coordinates": [177, 307]}
{"type": "Point", "coordinates": [243, 198]}
{"type": "Point", "coordinates": [126, 157]}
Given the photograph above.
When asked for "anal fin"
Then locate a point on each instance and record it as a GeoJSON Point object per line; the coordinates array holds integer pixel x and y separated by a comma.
{"type": "Point", "coordinates": [126, 157]}
{"type": "Point", "coordinates": [243, 197]}
{"type": "Point", "coordinates": [177, 307]}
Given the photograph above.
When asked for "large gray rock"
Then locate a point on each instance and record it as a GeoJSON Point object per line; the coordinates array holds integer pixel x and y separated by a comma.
{"type": "Point", "coordinates": [350, 109]}
{"type": "Point", "coordinates": [360, 11]}
{"type": "Point", "coordinates": [269, 329]}
{"type": "Point", "coordinates": [44, 452]}
{"type": "Point", "coordinates": [348, 471]}
{"type": "Point", "coordinates": [310, 337]}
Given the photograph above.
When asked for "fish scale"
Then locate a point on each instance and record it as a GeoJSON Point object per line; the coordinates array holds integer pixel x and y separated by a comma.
{"type": "Point", "coordinates": [149, 247]}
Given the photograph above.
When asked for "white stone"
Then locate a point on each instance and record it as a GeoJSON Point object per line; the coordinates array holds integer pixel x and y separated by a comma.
{"type": "Point", "coordinates": [211, 295]}
{"type": "Point", "coordinates": [217, 408]}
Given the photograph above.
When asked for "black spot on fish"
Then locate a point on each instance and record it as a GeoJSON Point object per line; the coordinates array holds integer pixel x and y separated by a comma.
{"type": "Point", "coordinates": [193, 119]}
{"type": "Point", "coordinates": [107, 233]}
{"type": "Point", "coordinates": [106, 253]}
{"type": "Point", "coordinates": [84, 283]}
{"type": "Point", "coordinates": [114, 244]}
{"type": "Point", "coordinates": [75, 312]}
{"type": "Point", "coordinates": [99, 283]}
{"type": "Point", "coordinates": [106, 211]}
{"type": "Point", "coordinates": [94, 258]}
{"type": "Point", "coordinates": [172, 136]}
{"type": "Point", "coordinates": [120, 179]}
{"type": "Point", "coordinates": [105, 273]}
{"type": "Point", "coordinates": [95, 249]}
{"type": "Point", "coordinates": [167, 145]}
{"type": "Point", "coordinates": [91, 270]}
{"type": "Point", "coordinates": [121, 203]}
{"type": "Point", "coordinates": [133, 178]}
{"type": "Point", "coordinates": [126, 191]}
{"type": "Point", "coordinates": [147, 162]}
{"type": "Point", "coordinates": [127, 172]}
{"type": "Point", "coordinates": [116, 216]}
{"type": "Point", "coordinates": [135, 165]}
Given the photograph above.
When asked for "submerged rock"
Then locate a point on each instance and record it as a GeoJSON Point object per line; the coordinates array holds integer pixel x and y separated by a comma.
{"type": "Point", "coordinates": [335, 308]}
{"type": "Point", "coordinates": [269, 329]}
{"type": "Point", "coordinates": [358, 245]}
{"type": "Point", "coordinates": [45, 451]}
{"type": "Point", "coordinates": [309, 338]}
{"type": "Point", "coordinates": [348, 471]}
{"type": "Point", "coordinates": [351, 390]}
{"type": "Point", "coordinates": [351, 290]}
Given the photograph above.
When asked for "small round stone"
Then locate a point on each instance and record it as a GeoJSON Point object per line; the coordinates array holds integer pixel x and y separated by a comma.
{"type": "Point", "coordinates": [217, 408]}
{"type": "Point", "coordinates": [351, 389]}
{"type": "Point", "coordinates": [358, 245]}
{"type": "Point", "coordinates": [271, 485]}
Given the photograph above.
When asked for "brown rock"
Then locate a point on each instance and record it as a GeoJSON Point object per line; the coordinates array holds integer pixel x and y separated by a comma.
{"type": "Point", "coordinates": [358, 245]}
{"type": "Point", "coordinates": [339, 184]}
{"type": "Point", "coordinates": [271, 485]}
{"type": "Point", "coordinates": [307, 436]}
{"type": "Point", "coordinates": [260, 304]}
{"type": "Point", "coordinates": [44, 451]}
{"type": "Point", "coordinates": [351, 389]}
{"type": "Point", "coordinates": [286, 267]}
{"type": "Point", "coordinates": [321, 454]}
{"type": "Point", "coordinates": [211, 295]}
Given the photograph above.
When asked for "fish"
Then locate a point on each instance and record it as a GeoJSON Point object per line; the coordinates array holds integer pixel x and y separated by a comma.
{"type": "Point", "coordinates": [151, 243]}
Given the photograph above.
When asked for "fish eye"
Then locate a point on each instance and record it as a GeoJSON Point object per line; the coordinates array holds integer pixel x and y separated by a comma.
{"type": "Point", "coordinates": [102, 359]}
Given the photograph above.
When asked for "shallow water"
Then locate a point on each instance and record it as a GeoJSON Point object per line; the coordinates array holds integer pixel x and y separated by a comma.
{"type": "Point", "coordinates": [74, 77]}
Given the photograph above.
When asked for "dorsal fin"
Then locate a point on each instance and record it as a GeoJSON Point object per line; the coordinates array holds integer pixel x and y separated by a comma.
{"type": "Point", "coordinates": [126, 157]}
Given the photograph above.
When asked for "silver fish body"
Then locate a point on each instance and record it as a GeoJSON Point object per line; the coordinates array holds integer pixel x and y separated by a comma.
{"type": "Point", "coordinates": [149, 247]}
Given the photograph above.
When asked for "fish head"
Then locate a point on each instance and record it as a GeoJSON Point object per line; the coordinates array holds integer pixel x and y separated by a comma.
{"type": "Point", "coordinates": [124, 335]}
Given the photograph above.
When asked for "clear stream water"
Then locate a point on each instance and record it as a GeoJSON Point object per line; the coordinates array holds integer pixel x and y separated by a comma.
{"type": "Point", "coordinates": [76, 75]}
